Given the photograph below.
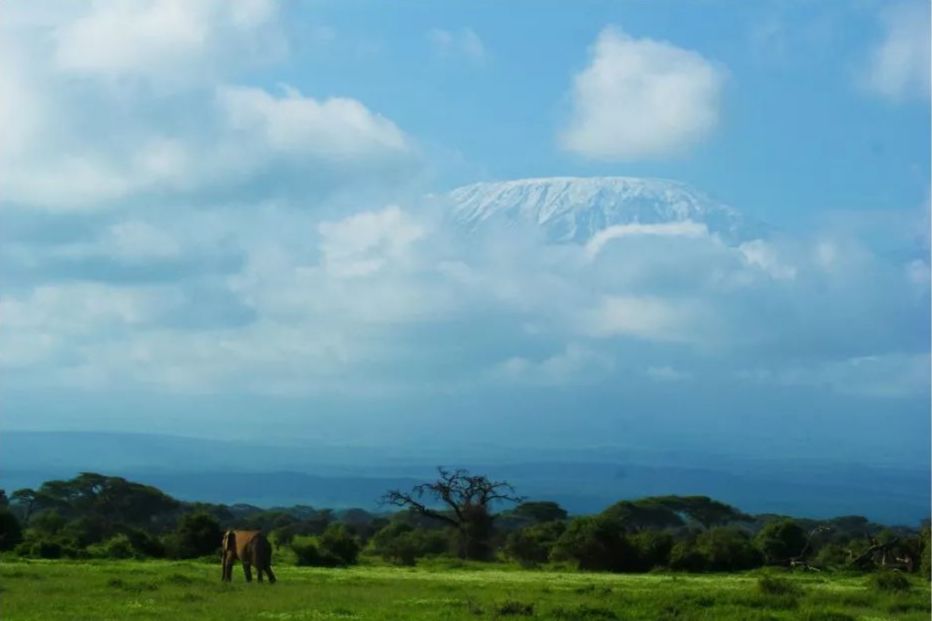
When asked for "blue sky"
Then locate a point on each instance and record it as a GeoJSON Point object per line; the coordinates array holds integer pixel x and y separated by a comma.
{"type": "Point", "coordinates": [215, 209]}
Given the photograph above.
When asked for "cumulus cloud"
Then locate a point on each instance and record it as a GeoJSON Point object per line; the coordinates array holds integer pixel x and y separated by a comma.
{"type": "Point", "coordinates": [167, 40]}
{"type": "Point", "coordinates": [898, 67]}
{"type": "Point", "coordinates": [641, 98]}
{"type": "Point", "coordinates": [387, 292]}
{"type": "Point", "coordinates": [88, 144]}
{"type": "Point", "coordinates": [336, 129]}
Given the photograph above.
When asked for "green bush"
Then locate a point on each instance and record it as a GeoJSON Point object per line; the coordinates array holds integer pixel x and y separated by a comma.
{"type": "Point", "coordinates": [775, 585]}
{"type": "Point", "coordinates": [336, 547]}
{"type": "Point", "coordinates": [584, 612]}
{"type": "Point", "coordinates": [685, 556]}
{"type": "Point", "coordinates": [831, 555]}
{"type": "Point", "coordinates": [889, 582]}
{"type": "Point", "coordinates": [145, 544]}
{"type": "Point", "coordinates": [532, 545]}
{"type": "Point", "coordinates": [512, 607]}
{"type": "Point", "coordinates": [402, 544]}
{"type": "Point", "coordinates": [305, 550]}
{"type": "Point", "coordinates": [36, 544]}
{"type": "Point", "coordinates": [826, 615]}
{"type": "Point", "coordinates": [727, 549]}
{"type": "Point", "coordinates": [198, 534]}
{"type": "Point", "coordinates": [653, 549]}
{"type": "Point", "coordinates": [118, 546]}
{"type": "Point", "coordinates": [925, 564]}
{"type": "Point", "coordinates": [339, 544]}
{"type": "Point", "coordinates": [10, 532]}
{"type": "Point", "coordinates": [596, 543]}
{"type": "Point", "coordinates": [780, 540]}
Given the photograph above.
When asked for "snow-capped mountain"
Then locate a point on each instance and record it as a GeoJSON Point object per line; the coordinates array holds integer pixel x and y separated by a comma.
{"type": "Point", "coordinates": [573, 209]}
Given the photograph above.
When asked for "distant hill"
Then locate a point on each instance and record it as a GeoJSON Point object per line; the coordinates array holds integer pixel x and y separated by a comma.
{"type": "Point", "coordinates": [231, 472]}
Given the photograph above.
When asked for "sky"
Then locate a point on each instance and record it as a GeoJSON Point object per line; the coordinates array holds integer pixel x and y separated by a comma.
{"type": "Point", "coordinates": [228, 220]}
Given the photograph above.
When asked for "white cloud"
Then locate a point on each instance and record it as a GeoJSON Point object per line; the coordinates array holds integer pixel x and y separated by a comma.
{"type": "Point", "coordinates": [317, 305]}
{"type": "Point", "coordinates": [336, 129]}
{"type": "Point", "coordinates": [684, 228]}
{"type": "Point", "coordinates": [170, 40]}
{"type": "Point", "coordinates": [365, 243]}
{"type": "Point", "coordinates": [465, 42]}
{"type": "Point", "coordinates": [90, 143]}
{"type": "Point", "coordinates": [763, 255]}
{"type": "Point", "coordinates": [899, 66]}
{"type": "Point", "coordinates": [81, 309]}
{"type": "Point", "coordinates": [641, 98]}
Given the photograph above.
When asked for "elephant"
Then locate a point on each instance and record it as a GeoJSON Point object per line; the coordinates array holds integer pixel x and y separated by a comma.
{"type": "Point", "coordinates": [252, 548]}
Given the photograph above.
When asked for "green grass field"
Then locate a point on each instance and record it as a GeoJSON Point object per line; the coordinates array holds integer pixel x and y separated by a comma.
{"type": "Point", "coordinates": [48, 590]}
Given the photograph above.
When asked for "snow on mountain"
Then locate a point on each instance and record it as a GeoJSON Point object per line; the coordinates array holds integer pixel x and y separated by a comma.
{"type": "Point", "coordinates": [575, 209]}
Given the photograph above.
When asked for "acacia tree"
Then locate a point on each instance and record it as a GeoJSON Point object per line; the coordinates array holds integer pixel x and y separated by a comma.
{"type": "Point", "coordinates": [466, 500]}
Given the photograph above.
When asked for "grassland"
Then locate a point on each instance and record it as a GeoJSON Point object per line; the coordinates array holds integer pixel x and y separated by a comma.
{"type": "Point", "coordinates": [72, 591]}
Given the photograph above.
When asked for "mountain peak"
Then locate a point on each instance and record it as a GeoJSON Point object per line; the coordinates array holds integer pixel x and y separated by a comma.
{"type": "Point", "coordinates": [574, 209]}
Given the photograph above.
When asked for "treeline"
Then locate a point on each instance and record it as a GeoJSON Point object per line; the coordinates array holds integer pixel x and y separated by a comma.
{"type": "Point", "coordinates": [458, 515]}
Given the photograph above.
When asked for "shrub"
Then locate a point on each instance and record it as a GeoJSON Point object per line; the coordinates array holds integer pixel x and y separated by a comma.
{"type": "Point", "coordinates": [685, 556]}
{"type": "Point", "coordinates": [925, 565]}
{"type": "Point", "coordinates": [532, 545]}
{"type": "Point", "coordinates": [10, 532]}
{"type": "Point", "coordinates": [774, 585]}
{"type": "Point", "coordinates": [118, 546]}
{"type": "Point", "coordinates": [727, 549]}
{"type": "Point", "coordinates": [514, 608]}
{"type": "Point", "coordinates": [584, 612]}
{"type": "Point", "coordinates": [780, 540]}
{"type": "Point", "coordinates": [595, 543]}
{"type": "Point", "coordinates": [337, 543]}
{"type": "Point", "coordinates": [653, 549]}
{"type": "Point", "coordinates": [336, 547]}
{"type": "Point", "coordinates": [827, 615]}
{"type": "Point", "coordinates": [145, 544]}
{"type": "Point", "coordinates": [41, 545]}
{"type": "Point", "coordinates": [889, 582]}
{"type": "Point", "coordinates": [198, 534]}
{"type": "Point", "coordinates": [305, 550]}
{"type": "Point", "coordinates": [831, 555]}
{"type": "Point", "coordinates": [402, 544]}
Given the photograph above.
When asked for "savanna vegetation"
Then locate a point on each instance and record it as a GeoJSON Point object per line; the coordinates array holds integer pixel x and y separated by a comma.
{"type": "Point", "coordinates": [461, 546]}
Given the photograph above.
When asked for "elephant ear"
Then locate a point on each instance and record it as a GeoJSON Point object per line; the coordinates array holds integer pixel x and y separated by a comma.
{"type": "Point", "coordinates": [229, 540]}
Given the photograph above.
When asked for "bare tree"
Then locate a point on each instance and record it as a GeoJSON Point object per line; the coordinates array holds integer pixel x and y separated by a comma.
{"type": "Point", "coordinates": [465, 500]}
